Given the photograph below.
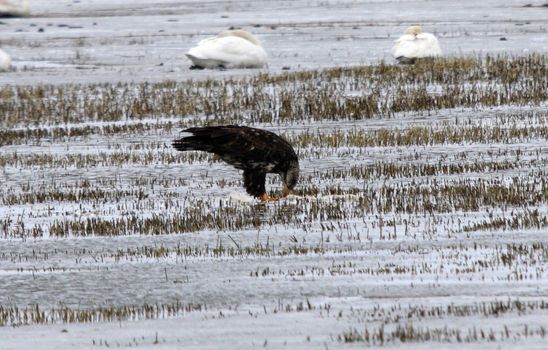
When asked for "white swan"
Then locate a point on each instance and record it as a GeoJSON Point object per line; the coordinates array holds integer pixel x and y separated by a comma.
{"type": "Point", "coordinates": [229, 49]}
{"type": "Point", "coordinates": [415, 44]}
{"type": "Point", "coordinates": [15, 8]}
{"type": "Point", "coordinates": [5, 61]}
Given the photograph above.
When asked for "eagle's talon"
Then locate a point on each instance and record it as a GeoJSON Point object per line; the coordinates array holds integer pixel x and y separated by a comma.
{"type": "Point", "coordinates": [266, 198]}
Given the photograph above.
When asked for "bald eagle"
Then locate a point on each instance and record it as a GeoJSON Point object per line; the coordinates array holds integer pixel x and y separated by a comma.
{"type": "Point", "coordinates": [257, 152]}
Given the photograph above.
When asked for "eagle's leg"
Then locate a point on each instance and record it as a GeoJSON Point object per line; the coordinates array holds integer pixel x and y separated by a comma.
{"type": "Point", "coordinates": [254, 183]}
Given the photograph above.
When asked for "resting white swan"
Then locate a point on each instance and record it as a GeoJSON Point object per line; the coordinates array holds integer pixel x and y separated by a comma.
{"type": "Point", "coordinates": [5, 61]}
{"type": "Point", "coordinates": [229, 49]}
{"type": "Point", "coordinates": [16, 8]}
{"type": "Point", "coordinates": [415, 44]}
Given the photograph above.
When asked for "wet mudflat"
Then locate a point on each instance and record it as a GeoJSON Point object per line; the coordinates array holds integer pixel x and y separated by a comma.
{"type": "Point", "coordinates": [420, 219]}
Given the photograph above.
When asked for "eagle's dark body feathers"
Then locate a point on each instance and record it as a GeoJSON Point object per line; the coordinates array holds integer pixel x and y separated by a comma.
{"type": "Point", "coordinates": [255, 151]}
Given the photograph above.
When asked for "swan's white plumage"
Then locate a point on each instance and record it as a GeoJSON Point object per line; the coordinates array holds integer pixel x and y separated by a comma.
{"type": "Point", "coordinates": [15, 8]}
{"type": "Point", "coordinates": [416, 44]}
{"type": "Point", "coordinates": [5, 61]}
{"type": "Point", "coordinates": [229, 49]}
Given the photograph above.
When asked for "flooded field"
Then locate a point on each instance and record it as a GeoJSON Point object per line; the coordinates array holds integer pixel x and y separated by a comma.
{"type": "Point", "coordinates": [421, 216]}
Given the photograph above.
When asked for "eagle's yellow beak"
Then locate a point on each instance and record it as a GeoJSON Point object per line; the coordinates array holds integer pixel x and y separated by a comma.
{"type": "Point", "coordinates": [285, 191]}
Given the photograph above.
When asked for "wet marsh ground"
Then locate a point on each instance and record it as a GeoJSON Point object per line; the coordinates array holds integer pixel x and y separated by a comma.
{"type": "Point", "coordinates": [420, 219]}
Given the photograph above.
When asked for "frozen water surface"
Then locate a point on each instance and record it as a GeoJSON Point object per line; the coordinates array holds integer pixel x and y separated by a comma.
{"type": "Point", "coordinates": [281, 285]}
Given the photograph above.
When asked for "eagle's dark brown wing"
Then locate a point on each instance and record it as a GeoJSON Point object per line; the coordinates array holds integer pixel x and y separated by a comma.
{"type": "Point", "coordinates": [255, 151]}
{"type": "Point", "coordinates": [242, 147]}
